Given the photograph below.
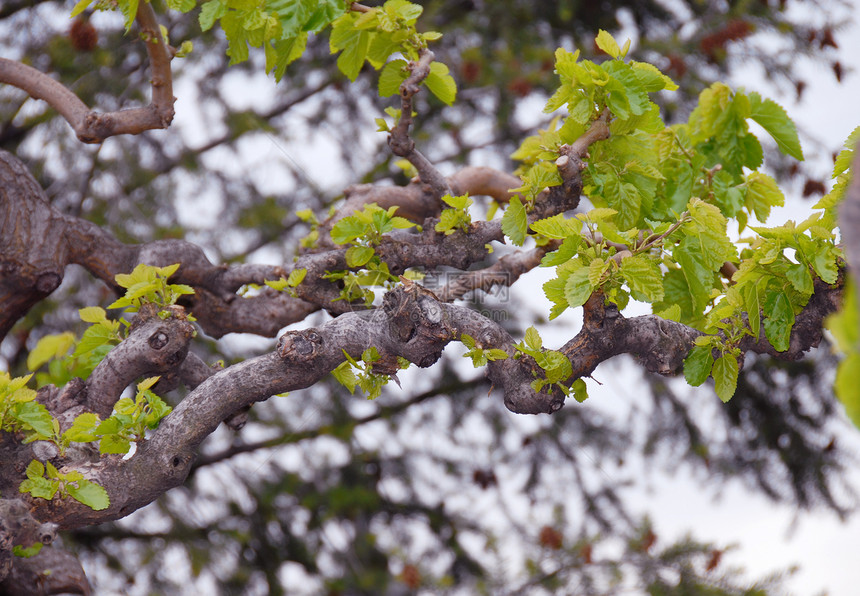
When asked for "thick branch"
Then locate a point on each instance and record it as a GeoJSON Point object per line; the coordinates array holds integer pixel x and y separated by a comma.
{"type": "Point", "coordinates": [95, 127]}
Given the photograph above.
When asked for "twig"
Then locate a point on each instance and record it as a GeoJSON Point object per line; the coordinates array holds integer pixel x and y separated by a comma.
{"type": "Point", "coordinates": [400, 142]}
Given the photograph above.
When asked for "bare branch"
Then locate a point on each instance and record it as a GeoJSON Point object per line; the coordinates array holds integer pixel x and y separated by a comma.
{"type": "Point", "coordinates": [95, 127]}
{"type": "Point", "coordinates": [400, 142]}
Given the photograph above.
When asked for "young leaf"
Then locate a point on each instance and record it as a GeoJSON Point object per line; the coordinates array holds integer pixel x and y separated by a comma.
{"type": "Point", "coordinates": [90, 494]}
{"type": "Point", "coordinates": [357, 256]}
{"type": "Point", "coordinates": [533, 339]}
{"type": "Point", "coordinates": [772, 117]}
{"type": "Point", "coordinates": [391, 77]}
{"type": "Point", "coordinates": [848, 386]}
{"type": "Point", "coordinates": [514, 221]}
{"type": "Point", "coordinates": [698, 365]}
{"type": "Point", "coordinates": [578, 288]}
{"type": "Point", "coordinates": [643, 276]}
{"type": "Point", "coordinates": [579, 390]}
{"type": "Point", "coordinates": [50, 347]}
{"type": "Point", "coordinates": [779, 320]}
{"type": "Point", "coordinates": [441, 84]}
{"type": "Point", "coordinates": [607, 43]}
{"type": "Point", "coordinates": [725, 374]}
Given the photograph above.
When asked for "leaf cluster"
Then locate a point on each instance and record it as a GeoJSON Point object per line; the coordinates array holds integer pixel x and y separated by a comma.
{"type": "Point", "coordinates": [457, 217]}
{"type": "Point", "coordinates": [148, 284]}
{"type": "Point", "coordinates": [44, 481]}
{"type": "Point", "coordinates": [556, 366]}
{"type": "Point", "coordinates": [363, 231]}
{"type": "Point", "coordinates": [352, 374]}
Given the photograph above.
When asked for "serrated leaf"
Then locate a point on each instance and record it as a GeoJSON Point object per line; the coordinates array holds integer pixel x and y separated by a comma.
{"type": "Point", "coordinates": [90, 494]}
{"type": "Point", "coordinates": [41, 488]}
{"type": "Point", "coordinates": [348, 229]}
{"type": "Point", "coordinates": [578, 289]}
{"type": "Point", "coordinates": [607, 43]}
{"type": "Point", "coordinates": [779, 320]}
{"type": "Point", "coordinates": [698, 365]}
{"type": "Point", "coordinates": [514, 221]}
{"type": "Point", "coordinates": [391, 77]}
{"type": "Point", "coordinates": [48, 348]}
{"type": "Point", "coordinates": [92, 314]}
{"type": "Point", "coordinates": [35, 416]}
{"type": "Point", "coordinates": [557, 227]}
{"type": "Point", "coordinates": [82, 429]}
{"type": "Point", "coordinates": [345, 375]}
{"type": "Point", "coordinates": [643, 276]}
{"type": "Point", "coordinates": [799, 276]}
{"type": "Point", "coordinates": [441, 83]}
{"type": "Point", "coordinates": [495, 354]}
{"type": "Point", "coordinates": [114, 443]}
{"type": "Point", "coordinates": [533, 339]}
{"type": "Point", "coordinates": [210, 12]}
{"type": "Point", "coordinates": [725, 373]}
{"type": "Point", "coordinates": [773, 118]}
{"type": "Point", "coordinates": [147, 383]}
{"type": "Point", "coordinates": [35, 469]}
{"type": "Point", "coordinates": [762, 193]}
{"type": "Point", "coordinates": [357, 256]}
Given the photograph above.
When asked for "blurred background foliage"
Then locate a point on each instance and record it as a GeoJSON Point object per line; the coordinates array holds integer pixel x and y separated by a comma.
{"type": "Point", "coordinates": [434, 487]}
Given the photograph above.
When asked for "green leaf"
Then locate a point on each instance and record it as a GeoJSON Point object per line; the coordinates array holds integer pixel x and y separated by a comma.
{"type": "Point", "coordinates": [26, 553]}
{"type": "Point", "coordinates": [35, 416]}
{"type": "Point", "coordinates": [391, 77]}
{"type": "Point", "coordinates": [80, 7]}
{"type": "Point", "coordinates": [557, 227]}
{"type": "Point", "coordinates": [348, 229]}
{"type": "Point", "coordinates": [357, 256]}
{"type": "Point", "coordinates": [353, 43]}
{"type": "Point", "coordinates": [82, 429]}
{"type": "Point", "coordinates": [41, 488]}
{"type": "Point", "coordinates": [824, 263]}
{"type": "Point", "coordinates": [607, 43]}
{"type": "Point", "coordinates": [533, 339]}
{"type": "Point", "coordinates": [772, 117]}
{"type": "Point", "coordinates": [50, 347]}
{"type": "Point", "coordinates": [181, 5]}
{"type": "Point", "coordinates": [114, 444]}
{"type": "Point", "coordinates": [698, 365]}
{"type": "Point", "coordinates": [345, 375]}
{"type": "Point", "coordinates": [700, 278]}
{"type": "Point", "coordinates": [35, 470]}
{"type": "Point", "coordinates": [579, 390]}
{"type": "Point", "coordinates": [90, 494]}
{"type": "Point", "coordinates": [643, 276]}
{"type": "Point", "coordinates": [779, 320]}
{"type": "Point", "coordinates": [495, 354]}
{"type": "Point", "coordinates": [725, 374]}
{"type": "Point", "coordinates": [514, 221]}
{"type": "Point", "coordinates": [578, 288]}
{"type": "Point", "coordinates": [441, 83]}
{"type": "Point", "coordinates": [762, 194]}
{"type": "Point", "coordinates": [848, 386]}
{"type": "Point", "coordinates": [210, 12]}
{"type": "Point", "coordinates": [799, 276]}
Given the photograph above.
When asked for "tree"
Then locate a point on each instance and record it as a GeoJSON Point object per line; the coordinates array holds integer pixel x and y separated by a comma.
{"type": "Point", "coordinates": [657, 233]}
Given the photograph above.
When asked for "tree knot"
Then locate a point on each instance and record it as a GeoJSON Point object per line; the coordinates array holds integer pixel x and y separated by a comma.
{"type": "Point", "coordinates": [299, 344]}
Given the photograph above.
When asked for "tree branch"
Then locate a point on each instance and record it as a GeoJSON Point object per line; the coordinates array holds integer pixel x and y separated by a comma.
{"type": "Point", "coordinates": [95, 127]}
{"type": "Point", "coordinates": [400, 142]}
